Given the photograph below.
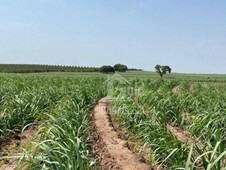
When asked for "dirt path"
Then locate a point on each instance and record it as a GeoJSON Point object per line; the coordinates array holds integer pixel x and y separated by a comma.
{"type": "Point", "coordinates": [111, 149]}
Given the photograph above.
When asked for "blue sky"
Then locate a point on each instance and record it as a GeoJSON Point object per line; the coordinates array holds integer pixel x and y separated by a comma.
{"type": "Point", "coordinates": [188, 35]}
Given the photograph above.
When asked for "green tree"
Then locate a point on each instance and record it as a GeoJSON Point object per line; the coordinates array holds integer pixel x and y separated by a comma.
{"type": "Point", "coordinates": [107, 69]}
{"type": "Point", "coordinates": [120, 67]}
{"type": "Point", "coordinates": [161, 70]}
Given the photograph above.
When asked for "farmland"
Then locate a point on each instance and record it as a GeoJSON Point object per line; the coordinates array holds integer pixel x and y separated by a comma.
{"type": "Point", "coordinates": [58, 107]}
{"type": "Point", "coordinates": [173, 123]}
{"type": "Point", "coordinates": [181, 129]}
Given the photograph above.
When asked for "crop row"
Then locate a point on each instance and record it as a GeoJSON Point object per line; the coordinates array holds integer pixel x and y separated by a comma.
{"type": "Point", "coordinates": [59, 107]}
{"type": "Point", "coordinates": [151, 105]}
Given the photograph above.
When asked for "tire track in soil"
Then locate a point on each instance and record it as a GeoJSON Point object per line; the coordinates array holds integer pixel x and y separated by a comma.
{"type": "Point", "coordinates": [113, 154]}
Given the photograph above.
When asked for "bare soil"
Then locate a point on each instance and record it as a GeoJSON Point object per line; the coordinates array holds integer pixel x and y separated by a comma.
{"type": "Point", "coordinates": [176, 89]}
{"type": "Point", "coordinates": [186, 137]}
{"type": "Point", "coordinates": [112, 150]}
{"type": "Point", "coordinates": [183, 136]}
{"type": "Point", "coordinates": [192, 88]}
{"type": "Point", "coordinates": [13, 148]}
{"type": "Point", "coordinates": [189, 118]}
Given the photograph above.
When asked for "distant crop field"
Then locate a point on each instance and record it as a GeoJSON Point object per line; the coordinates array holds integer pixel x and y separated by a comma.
{"type": "Point", "coordinates": [175, 76]}
{"type": "Point", "coordinates": [152, 75]}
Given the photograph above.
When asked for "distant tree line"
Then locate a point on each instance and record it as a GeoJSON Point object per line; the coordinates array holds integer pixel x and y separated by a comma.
{"type": "Point", "coordinates": [134, 69]}
{"type": "Point", "coordinates": [33, 68]}
{"type": "Point", "coordinates": [36, 68]}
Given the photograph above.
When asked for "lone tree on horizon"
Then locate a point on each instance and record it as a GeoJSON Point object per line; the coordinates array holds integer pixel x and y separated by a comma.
{"type": "Point", "coordinates": [161, 70]}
